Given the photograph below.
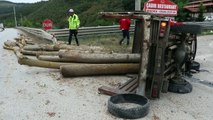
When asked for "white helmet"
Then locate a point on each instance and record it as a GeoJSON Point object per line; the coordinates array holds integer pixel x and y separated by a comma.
{"type": "Point", "coordinates": [71, 11]}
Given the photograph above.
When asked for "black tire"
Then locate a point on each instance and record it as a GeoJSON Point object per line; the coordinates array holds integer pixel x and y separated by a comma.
{"type": "Point", "coordinates": [184, 87]}
{"type": "Point", "coordinates": [186, 28]}
{"type": "Point", "coordinates": [128, 113]}
{"type": "Point", "coordinates": [194, 47]}
{"type": "Point", "coordinates": [195, 66]}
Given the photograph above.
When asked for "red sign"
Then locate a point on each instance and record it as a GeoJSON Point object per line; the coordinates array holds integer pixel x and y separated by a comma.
{"type": "Point", "coordinates": [47, 24]}
{"type": "Point", "coordinates": [161, 7]}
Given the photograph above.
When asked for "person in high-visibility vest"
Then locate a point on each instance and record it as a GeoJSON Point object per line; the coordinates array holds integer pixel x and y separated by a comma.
{"type": "Point", "coordinates": [124, 26]}
{"type": "Point", "coordinates": [74, 24]}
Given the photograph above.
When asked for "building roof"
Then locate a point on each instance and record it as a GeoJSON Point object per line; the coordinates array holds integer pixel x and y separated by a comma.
{"type": "Point", "coordinates": [199, 1]}
{"type": "Point", "coordinates": [194, 10]}
{"type": "Point", "coordinates": [194, 6]}
{"type": "Point", "coordinates": [197, 5]}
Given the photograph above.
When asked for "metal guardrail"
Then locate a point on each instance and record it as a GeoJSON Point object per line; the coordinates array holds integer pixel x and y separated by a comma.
{"type": "Point", "coordinates": [88, 31]}
{"type": "Point", "coordinates": [113, 29]}
{"type": "Point", "coordinates": [55, 34]}
{"type": "Point", "coordinates": [204, 25]}
{"type": "Point", "coordinates": [39, 33]}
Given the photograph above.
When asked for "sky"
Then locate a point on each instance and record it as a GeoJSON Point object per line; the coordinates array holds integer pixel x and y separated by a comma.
{"type": "Point", "coordinates": [25, 1]}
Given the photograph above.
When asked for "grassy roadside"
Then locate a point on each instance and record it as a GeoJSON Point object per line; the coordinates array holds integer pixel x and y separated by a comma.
{"type": "Point", "coordinates": [109, 42]}
{"type": "Point", "coordinates": [208, 32]}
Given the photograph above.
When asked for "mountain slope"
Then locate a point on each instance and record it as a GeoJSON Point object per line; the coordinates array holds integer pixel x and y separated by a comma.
{"type": "Point", "coordinates": [22, 11]}
{"type": "Point", "coordinates": [87, 10]}
{"type": "Point", "coordinates": [32, 15]}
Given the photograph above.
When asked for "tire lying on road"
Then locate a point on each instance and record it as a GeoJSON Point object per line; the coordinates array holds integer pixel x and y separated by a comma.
{"type": "Point", "coordinates": [128, 106]}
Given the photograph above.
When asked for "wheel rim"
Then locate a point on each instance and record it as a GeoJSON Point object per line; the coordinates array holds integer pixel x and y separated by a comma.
{"type": "Point", "coordinates": [193, 46]}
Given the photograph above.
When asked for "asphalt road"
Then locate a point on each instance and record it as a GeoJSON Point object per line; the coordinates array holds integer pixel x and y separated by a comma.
{"type": "Point", "coordinates": [30, 93]}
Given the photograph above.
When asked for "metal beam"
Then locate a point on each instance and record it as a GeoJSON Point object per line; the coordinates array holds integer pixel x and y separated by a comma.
{"type": "Point", "coordinates": [14, 10]}
{"type": "Point", "coordinates": [137, 5]}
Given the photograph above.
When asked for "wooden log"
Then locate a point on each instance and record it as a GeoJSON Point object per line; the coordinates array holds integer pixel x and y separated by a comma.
{"type": "Point", "coordinates": [8, 48]}
{"type": "Point", "coordinates": [101, 58]}
{"type": "Point", "coordinates": [24, 40]}
{"type": "Point", "coordinates": [75, 70]}
{"type": "Point", "coordinates": [82, 47]}
{"type": "Point", "coordinates": [129, 68]}
{"type": "Point", "coordinates": [78, 51]}
{"type": "Point", "coordinates": [10, 43]}
{"type": "Point", "coordinates": [58, 59]}
{"type": "Point", "coordinates": [41, 47]}
{"type": "Point", "coordinates": [19, 45]}
{"type": "Point", "coordinates": [37, 53]}
{"type": "Point", "coordinates": [62, 52]}
{"type": "Point", "coordinates": [53, 58]}
{"type": "Point", "coordinates": [30, 42]}
{"type": "Point", "coordinates": [18, 39]}
{"type": "Point", "coordinates": [18, 54]}
{"type": "Point", "coordinates": [39, 63]}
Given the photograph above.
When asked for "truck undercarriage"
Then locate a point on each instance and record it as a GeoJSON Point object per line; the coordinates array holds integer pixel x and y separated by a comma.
{"type": "Point", "coordinates": [167, 53]}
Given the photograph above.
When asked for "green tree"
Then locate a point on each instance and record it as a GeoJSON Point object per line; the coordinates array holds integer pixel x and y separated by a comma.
{"type": "Point", "coordinates": [128, 5]}
{"type": "Point", "coordinates": [27, 22]}
{"type": "Point", "coordinates": [201, 11]}
{"type": "Point", "coordinates": [182, 14]}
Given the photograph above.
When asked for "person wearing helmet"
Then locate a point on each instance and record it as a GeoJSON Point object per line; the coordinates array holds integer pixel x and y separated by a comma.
{"type": "Point", "coordinates": [74, 24]}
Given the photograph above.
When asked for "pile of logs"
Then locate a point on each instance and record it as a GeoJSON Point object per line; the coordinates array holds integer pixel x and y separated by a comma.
{"type": "Point", "coordinates": [73, 61]}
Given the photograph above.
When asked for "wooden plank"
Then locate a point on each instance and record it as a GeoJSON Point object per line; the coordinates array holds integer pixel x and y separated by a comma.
{"type": "Point", "coordinates": [126, 83]}
{"type": "Point", "coordinates": [109, 91]}
{"type": "Point", "coordinates": [127, 87]}
{"type": "Point", "coordinates": [145, 46]}
{"type": "Point", "coordinates": [130, 85]}
{"type": "Point", "coordinates": [133, 88]}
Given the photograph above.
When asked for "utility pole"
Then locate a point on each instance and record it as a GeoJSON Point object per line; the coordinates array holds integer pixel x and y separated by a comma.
{"type": "Point", "coordinates": [137, 5]}
{"type": "Point", "coordinates": [14, 10]}
{"type": "Point", "coordinates": [21, 20]}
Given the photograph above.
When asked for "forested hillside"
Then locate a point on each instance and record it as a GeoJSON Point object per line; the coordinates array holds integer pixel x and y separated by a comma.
{"type": "Point", "coordinates": [22, 12]}
{"type": "Point", "coordinates": [32, 15]}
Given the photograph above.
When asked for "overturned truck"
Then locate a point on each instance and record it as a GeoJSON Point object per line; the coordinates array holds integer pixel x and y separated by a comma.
{"type": "Point", "coordinates": [167, 54]}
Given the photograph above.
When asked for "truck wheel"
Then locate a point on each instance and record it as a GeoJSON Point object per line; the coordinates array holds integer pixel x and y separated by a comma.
{"type": "Point", "coordinates": [184, 87]}
{"type": "Point", "coordinates": [195, 66]}
{"type": "Point", "coordinates": [193, 45]}
{"type": "Point", "coordinates": [128, 106]}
